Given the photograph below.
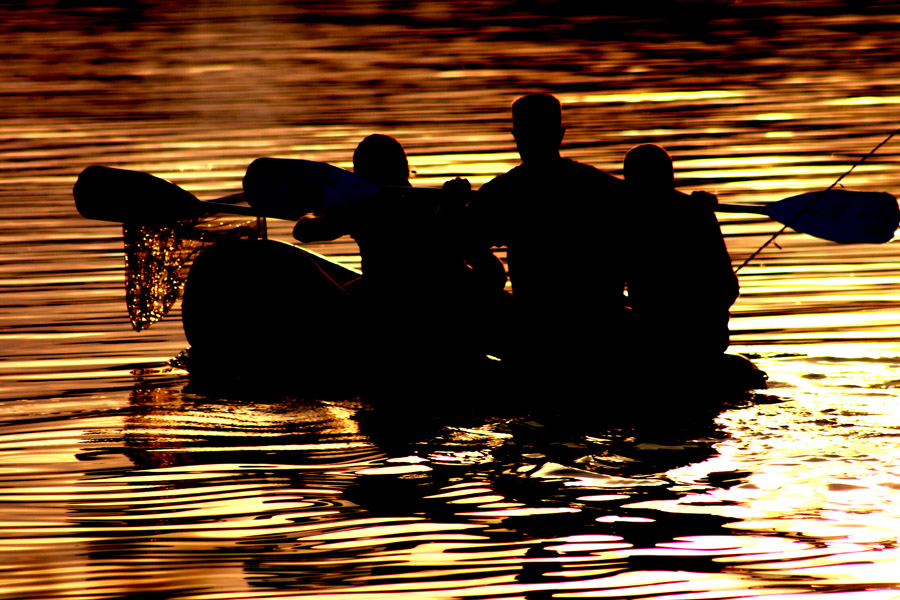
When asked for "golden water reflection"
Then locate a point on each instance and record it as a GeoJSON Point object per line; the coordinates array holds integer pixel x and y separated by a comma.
{"type": "Point", "coordinates": [118, 480]}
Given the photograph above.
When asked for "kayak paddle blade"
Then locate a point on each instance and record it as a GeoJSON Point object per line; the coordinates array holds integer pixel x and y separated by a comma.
{"type": "Point", "coordinates": [288, 188]}
{"type": "Point", "coordinates": [123, 196]}
{"type": "Point", "coordinates": [843, 216]}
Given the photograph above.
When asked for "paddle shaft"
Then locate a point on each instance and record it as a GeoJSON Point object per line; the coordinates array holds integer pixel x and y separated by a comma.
{"type": "Point", "coordinates": [224, 204]}
{"type": "Point", "coordinates": [124, 196]}
{"type": "Point", "coordinates": [810, 205]}
{"type": "Point", "coordinates": [290, 188]}
{"type": "Point", "coordinates": [755, 209]}
{"type": "Point", "coordinates": [434, 194]}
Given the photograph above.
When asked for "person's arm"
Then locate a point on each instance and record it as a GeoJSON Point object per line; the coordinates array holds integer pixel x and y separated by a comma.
{"type": "Point", "coordinates": [488, 268]}
{"type": "Point", "coordinates": [485, 217]}
{"type": "Point", "coordinates": [321, 228]}
{"type": "Point", "coordinates": [455, 213]}
{"type": "Point", "coordinates": [728, 288]}
{"type": "Point", "coordinates": [705, 199]}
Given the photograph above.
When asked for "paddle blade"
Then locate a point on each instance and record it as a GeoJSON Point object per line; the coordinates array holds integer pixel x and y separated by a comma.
{"type": "Point", "coordinates": [290, 188]}
{"type": "Point", "coordinates": [124, 196]}
{"type": "Point", "coordinates": [842, 216]}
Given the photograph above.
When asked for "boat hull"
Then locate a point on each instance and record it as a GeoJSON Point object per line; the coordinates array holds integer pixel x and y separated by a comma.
{"type": "Point", "coordinates": [267, 313]}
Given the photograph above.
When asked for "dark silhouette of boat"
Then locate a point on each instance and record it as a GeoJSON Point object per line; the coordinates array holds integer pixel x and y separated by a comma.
{"type": "Point", "coordinates": [263, 313]}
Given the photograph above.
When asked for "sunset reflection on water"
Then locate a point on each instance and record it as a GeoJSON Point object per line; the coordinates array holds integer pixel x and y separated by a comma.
{"type": "Point", "coordinates": [121, 479]}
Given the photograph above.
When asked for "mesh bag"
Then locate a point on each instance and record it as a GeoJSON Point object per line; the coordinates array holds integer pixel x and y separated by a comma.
{"type": "Point", "coordinates": [158, 259]}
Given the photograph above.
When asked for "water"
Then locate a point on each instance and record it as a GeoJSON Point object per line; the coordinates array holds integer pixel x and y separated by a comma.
{"type": "Point", "coordinates": [118, 479]}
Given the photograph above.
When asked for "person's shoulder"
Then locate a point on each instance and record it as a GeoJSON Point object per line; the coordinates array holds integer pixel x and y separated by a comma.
{"type": "Point", "coordinates": [581, 176]}
{"type": "Point", "coordinates": [508, 178]}
{"type": "Point", "coordinates": [586, 170]}
{"type": "Point", "coordinates": [504, 184]}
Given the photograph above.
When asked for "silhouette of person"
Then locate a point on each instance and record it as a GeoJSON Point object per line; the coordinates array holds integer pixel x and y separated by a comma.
{"type": "Point", "coordinates": [419, 284]}
{"type": "Point", "coordinates": [404, 241]}
{"type": "Point", "coordinates": [680, 281]}
{"type": "Point", "coordinates": [382, 235]}
{"type": "Point", "coordinates": [558, 220]}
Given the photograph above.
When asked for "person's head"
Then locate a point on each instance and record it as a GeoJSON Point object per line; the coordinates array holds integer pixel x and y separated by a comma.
{"type": "Point", "coordinates": [649, 167]}
{"type": "Point", "coordinates": [537, 127]}
{"type": "Point", "coordinates": [381, 160]}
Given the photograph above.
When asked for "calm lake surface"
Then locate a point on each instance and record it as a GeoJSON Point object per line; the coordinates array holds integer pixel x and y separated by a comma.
{"type": "Point", "coordinates": [118, 480]}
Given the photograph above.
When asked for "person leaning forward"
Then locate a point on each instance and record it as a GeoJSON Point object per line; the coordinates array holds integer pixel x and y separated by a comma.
{"type": "Point", "coordinates": [557, 218]}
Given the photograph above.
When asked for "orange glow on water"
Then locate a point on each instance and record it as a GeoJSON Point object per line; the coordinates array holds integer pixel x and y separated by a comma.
{"type": "Point", "coordinates": [120, 479]}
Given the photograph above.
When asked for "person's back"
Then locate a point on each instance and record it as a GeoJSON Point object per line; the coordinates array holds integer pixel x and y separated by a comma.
{"type": "Point", "coordinates": [384, 227]}
{"type": "Point", "coordinates": [557, 219]}
{"type": "Point", "coordinates": [680, 281]}
{"type": "Point", "coordinates": [554, 218]}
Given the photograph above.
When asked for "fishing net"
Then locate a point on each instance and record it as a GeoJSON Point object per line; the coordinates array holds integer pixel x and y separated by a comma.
{"type": "Point", "coordinates": [158, 259]}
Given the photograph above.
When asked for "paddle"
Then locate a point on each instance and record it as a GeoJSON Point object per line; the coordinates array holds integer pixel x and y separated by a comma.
{"type": "Point", "coordinates": [291, 188]}
{"type": "Point", "coordinates": [842, 216]}
{"type": "Point", "coordinates": [124, 196]}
